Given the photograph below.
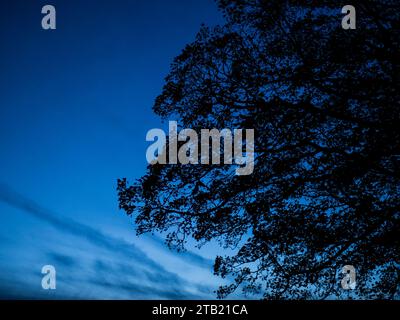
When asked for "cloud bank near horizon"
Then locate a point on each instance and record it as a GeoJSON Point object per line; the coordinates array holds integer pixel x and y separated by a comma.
{"type": "Point", "coordinates": [95, 265]}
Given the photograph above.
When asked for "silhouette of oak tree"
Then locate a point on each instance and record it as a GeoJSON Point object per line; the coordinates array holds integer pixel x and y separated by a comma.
{"type": "Point", "coordinates": [324, 104]}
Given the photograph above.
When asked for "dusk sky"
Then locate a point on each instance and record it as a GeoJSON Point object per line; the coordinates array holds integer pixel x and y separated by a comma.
{"type": "Point", "coordinates": [75, 107]}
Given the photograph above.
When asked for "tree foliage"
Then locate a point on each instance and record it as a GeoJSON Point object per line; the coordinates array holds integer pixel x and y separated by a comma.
{"type": "Point", "coordinates": [324, 104]}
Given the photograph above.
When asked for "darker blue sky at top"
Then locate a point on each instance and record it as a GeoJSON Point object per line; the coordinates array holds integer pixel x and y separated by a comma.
{"type": "Point", "coordinates": [78, 98]}
{"type": "Point", "coordinates": [75, 107]}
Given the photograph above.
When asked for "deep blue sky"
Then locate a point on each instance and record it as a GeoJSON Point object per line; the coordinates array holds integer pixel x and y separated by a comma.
{"type": "Point", "coordinates": [75, 106]}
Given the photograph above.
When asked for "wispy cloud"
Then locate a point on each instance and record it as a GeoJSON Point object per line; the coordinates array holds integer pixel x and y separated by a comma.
{"type": "Point", "coordinates": [126, 271]}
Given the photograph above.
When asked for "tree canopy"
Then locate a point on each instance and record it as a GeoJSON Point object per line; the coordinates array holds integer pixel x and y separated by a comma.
{"type": "Point", "coordinates": [324, 104]}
